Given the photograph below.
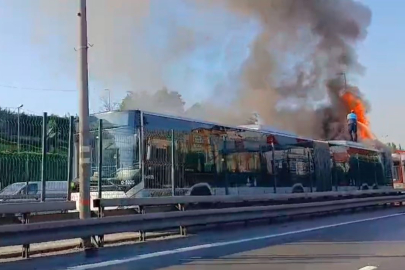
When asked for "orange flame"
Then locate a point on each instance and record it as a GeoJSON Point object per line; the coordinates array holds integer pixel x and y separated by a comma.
{"type": "Point", "coordinates": [353, 102]}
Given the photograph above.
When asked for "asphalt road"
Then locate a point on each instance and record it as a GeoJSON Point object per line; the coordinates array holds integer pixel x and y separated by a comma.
{"type": "Point", "coordinates": [366, 241]}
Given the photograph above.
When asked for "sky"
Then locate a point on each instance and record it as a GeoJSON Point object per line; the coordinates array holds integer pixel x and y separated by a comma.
{"type": "Point", "coordinates": [39, 62]}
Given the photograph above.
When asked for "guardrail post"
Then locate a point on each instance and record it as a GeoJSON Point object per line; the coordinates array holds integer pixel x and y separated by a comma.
{"type": "Point", "coordinates": [25, 247]}
{"type": "Point", "coordinates": [44, 151]}
{"type": "Point", "coordinates": [70, 158]}
{"type": "Point", "coordinates": [142, 234]}
{"type": "Point", "coordinates": [183, 229]}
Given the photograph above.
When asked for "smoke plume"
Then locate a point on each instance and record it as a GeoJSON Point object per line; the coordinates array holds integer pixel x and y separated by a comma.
{"type": "Point", "coordinates": [290, 72]}
{"type": "Point", "coordinates": [298, 57]}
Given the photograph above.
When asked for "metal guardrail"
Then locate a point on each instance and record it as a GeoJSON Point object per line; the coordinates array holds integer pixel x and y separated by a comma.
{"type": "Point", "coordinates": [33, 198]}
{"type": "Point", "coordinates": [128, 202]}
{"type": "Point", "coordinates": [26, 209]}
{"type": "Point", "coordinates": [96, 228]}
{"type": "Point", "coordinates": [39, 207]}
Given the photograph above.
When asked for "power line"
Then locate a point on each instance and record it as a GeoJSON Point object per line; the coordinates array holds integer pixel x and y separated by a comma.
{"type": "Point", "coordinates": [37, 89]}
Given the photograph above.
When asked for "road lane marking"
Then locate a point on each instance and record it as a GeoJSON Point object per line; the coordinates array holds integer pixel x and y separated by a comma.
{"type": "Point", "coordinates": [369, 268]}
{"type": "Point", "coordinates": [221, 244]}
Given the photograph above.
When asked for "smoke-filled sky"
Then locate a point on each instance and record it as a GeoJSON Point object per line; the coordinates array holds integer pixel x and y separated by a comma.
{"type": "Point", "coordinates": [216, 50]}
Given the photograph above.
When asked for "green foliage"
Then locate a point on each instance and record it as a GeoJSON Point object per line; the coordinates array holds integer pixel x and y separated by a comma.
{"type": "Point", "coordinates": [30, 133]}
{"type": "Point", "coordinates": [18, 167]}
{"type": "Point", "coordinates": [18, 163]}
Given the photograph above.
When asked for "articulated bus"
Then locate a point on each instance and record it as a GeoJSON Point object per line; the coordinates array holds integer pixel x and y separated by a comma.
{"type": "Point", "coordinates": [159, 155]}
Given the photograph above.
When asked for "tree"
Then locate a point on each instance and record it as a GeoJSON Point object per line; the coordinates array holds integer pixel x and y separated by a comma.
{"type": "Point", "coordinates": [107, 105]}
{"type": "Point", "coordinates": [195, 111]}
{"type": "Point", "coordinates": [393, 146]}
{"type": "Point", "coordinates": [162, 101]}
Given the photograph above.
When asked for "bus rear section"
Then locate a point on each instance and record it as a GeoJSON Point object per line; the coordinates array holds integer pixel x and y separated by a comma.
{"type": "Point", "coordinates": [356, 166]}
{"type": "Point", "coordinates": [398, 159]}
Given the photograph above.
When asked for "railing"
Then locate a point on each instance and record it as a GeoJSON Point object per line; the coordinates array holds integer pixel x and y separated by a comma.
{"type": "Point", "coordinates": [33, 151]}
{"type": "Point", "coordinates": [63, 225]}
{"type": "Point", "coordinates": [96, 228]}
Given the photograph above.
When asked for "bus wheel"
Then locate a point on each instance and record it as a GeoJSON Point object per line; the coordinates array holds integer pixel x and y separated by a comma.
{"type": "Point", "coordinates": [375, 186]}
{"type": "Point", "coordinates": [364, 187]}
{"type": "Point", "coordinates": [200, 191]}
{"type": "Point", "coordinates": [298, 190]}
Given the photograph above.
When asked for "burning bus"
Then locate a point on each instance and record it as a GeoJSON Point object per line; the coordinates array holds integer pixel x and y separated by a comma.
{"type": "Point", "coordinates": [160, 155]}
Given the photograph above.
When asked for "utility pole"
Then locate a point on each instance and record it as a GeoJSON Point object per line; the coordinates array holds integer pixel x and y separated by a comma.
{"type": "Point", "coordinates": [84, 145]}
{"type": "Point", "coordinates": [344, 77]}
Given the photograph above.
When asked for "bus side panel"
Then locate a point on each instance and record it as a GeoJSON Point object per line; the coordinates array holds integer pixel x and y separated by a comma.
{"type": "Point", "coordinates": [322, 166]}
{"type": "Point", "coordinates": [388, 174]}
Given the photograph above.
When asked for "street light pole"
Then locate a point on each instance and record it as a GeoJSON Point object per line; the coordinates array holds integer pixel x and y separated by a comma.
{"type": "Point", "coordinates": [344, 77]}
{"type": "Point", "coordinates": [84, 146]}
{"type": "Point", "coordinates": [18, 127]}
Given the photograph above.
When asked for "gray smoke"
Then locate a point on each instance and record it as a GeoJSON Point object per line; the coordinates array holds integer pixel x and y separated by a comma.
{"type": "Point", "coordinates": [290, 76]}
{"type": "Point", "coordinates": [302, 47]}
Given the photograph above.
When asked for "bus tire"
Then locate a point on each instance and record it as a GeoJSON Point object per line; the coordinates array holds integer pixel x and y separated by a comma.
{"type": "Point", "coordinates": [200, 191]}
{"type": "Point", "coordinates": [298, 189]}
{"type": "Point", "coordinates": [364, 187]}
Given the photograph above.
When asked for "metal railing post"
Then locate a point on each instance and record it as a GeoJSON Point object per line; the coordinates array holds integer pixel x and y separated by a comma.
{"type": "Point", "coordinates": [225, 166]}
{"type": "Point", "coordinates": [27, 174]}
{"type": "Point", "coordinates": [142, 149]}
{"type": "Point", "coordinates": [172, 167]}
{"type": "Point", "coordinates": [100, 156]}
{"type": "Point", "coordinates": [44, 152]}
{"type": "Point", "coordinates": [70, 159]}
{"type": "Point", "coordinates": [311, 184]}
{"type": "Point", "coordinates": [274, 167]}
{"type": "Point", "coordinates": [358, 171]}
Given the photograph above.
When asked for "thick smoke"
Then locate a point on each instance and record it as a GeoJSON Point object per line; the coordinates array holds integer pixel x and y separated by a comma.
{"type": "Point", "coordinates": [290, 76]}
{"type": "Point", "coordinates": [302, 48]}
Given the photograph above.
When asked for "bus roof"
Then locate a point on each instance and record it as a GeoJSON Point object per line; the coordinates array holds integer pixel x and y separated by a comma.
{"type": "Point", "coordinates": [258, 128]}
{"type": "Point", "coordinates": [268, 129]}
{"type": "Point", "coordinates": [353, 145]}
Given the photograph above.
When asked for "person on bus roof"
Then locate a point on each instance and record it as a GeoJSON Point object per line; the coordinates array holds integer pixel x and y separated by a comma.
{"type": "Point", "coordinates": [352, 125]}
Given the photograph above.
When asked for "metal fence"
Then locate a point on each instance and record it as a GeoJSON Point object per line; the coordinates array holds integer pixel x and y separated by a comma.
{"type": "Point", "coordinates": [41, 153]}
{"type": "Point", "coordinates": [32, 149]}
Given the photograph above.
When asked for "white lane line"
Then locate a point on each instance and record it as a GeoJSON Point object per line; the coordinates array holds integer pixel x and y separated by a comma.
{"type": "Point", "coordinates": [369, 268]}
{"type": "Point", "coordinates": [220, 244]}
